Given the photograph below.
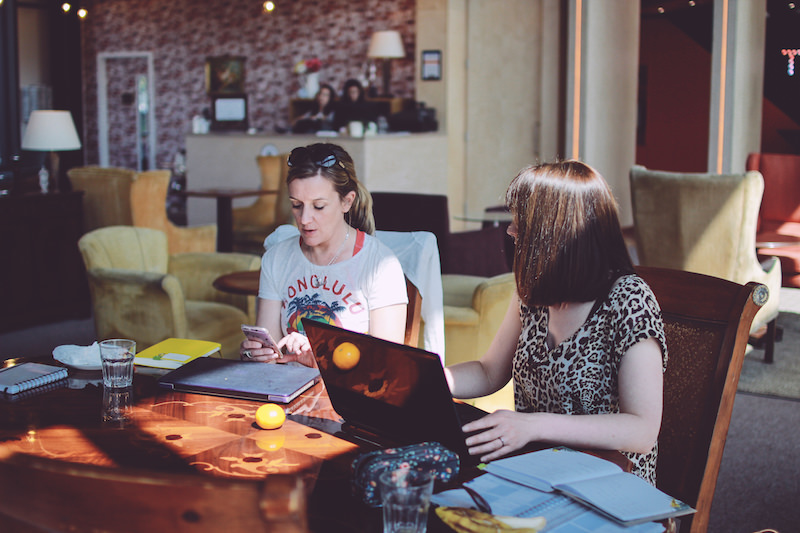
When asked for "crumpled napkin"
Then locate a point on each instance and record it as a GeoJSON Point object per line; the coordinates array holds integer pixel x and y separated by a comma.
{"type": "Point", "coordinates": [81, 357]}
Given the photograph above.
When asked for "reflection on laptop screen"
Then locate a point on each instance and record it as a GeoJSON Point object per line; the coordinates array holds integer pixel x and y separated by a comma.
{"type": "Point", "coordinates": [392, 390]}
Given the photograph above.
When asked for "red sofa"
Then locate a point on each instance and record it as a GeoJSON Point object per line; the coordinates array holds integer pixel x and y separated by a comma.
{"type": "Point", "coordinates": [780, 209]}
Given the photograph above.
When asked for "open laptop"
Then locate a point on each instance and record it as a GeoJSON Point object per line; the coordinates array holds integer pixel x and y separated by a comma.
{"type": "Point", "coordinates": [395, 391]}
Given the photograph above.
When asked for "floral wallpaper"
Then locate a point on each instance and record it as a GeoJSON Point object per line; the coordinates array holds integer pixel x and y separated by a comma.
{"type": "Point", "coordinates": [181, 34]}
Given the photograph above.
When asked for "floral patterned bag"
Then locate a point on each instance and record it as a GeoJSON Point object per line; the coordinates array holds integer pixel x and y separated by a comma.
{"type": "Point", "coordinates": [430, 456]}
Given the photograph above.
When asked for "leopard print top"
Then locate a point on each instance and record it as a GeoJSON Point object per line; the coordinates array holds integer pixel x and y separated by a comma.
{"type": "Point", "coordinates": [579, 376]}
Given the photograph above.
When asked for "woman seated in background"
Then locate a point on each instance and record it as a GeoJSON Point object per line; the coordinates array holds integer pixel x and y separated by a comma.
{"type": "Point", "coordinates": [582, 337]}
{"type": "Point", "coordinates": [353, 107]}
{"type": "Point", "coordinates": [336, 271]}
{"type": "Point", "coordinates": [321, 114]}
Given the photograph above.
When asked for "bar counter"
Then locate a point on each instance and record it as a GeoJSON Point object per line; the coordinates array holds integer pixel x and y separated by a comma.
{"type": "Point", "coordinates": [393, 162]}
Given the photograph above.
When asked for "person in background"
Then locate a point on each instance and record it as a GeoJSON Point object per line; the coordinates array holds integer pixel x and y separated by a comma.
{"type": "Point", "coordinates": [321, 114]}
{"type": "Point", "coordinates": [336, 271]}
{"type": "Point", "coordinates": [582, 337]}
{"type": "Point", "coordinates": [353, 106]}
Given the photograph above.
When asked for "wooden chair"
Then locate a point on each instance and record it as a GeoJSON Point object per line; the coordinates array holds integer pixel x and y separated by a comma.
{"type": "Point", "coordinates": [413, 315]}
{"type": "Point", "coordinates": [707, 321]}
{"type": "Point", "coordinates": [106, 195]}
{"type": "Point", "coordinates": [148, 205]}
{"type": "Point", "coordinates": [48, 495]}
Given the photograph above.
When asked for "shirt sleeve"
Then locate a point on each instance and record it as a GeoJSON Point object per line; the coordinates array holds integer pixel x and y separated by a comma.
{"type": "Point", "coordinates": [387, 283]}
{"type": "Point", "coordinates": [267, 287]}
{"type": "Point", "coordinates": [640, 318]}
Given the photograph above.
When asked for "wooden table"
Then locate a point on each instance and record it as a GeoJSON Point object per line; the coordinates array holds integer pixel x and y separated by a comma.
{"type": "Point", "coordinates": [225, 199]}
{"type": "Point", "coordinates": [192, 433]}
{"type": "Point", "coordinates": [200, 435]}
{"type": "Point", "coordinates": [241, 282]}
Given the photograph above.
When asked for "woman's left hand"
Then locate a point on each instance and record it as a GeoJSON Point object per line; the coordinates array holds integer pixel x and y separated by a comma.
{"type": "Point", "coordinates": [500, 433]}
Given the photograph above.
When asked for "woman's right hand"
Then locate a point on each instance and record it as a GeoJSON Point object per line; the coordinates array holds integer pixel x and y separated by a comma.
{"type": "Point", "coordinates": [251, 350]}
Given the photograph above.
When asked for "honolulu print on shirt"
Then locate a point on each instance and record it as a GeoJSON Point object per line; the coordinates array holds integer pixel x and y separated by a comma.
{"type": "Point", "coordinates": [318, 299]}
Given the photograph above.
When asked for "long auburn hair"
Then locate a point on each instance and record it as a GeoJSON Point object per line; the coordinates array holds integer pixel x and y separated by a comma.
{"type": "Point", "coordinates": [343, 176]}
{"type": "Point", "coordinates": [569, 244]}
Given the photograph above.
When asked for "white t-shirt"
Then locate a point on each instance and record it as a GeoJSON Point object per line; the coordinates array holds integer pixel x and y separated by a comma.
{"type": "Point", "coordinates": [341, 294]}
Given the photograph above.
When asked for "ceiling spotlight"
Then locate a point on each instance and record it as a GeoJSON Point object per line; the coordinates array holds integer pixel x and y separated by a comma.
{"type": "Point", "coordinates": [82, 13]}
{"type": "Point", "coordinates": [692, 3]}
{"type": "Point", "coordinates": [661, 10]}
{"type": "Point", "coordinates": [269, 6]}
{"type": "Point", "coordinates": [65, 7]}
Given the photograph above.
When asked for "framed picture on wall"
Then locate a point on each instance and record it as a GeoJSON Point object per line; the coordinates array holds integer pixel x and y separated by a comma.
{"type": "Point", "coordinates": [225, 74]}
{"type": "Point", "coordinates": [229, 112]}
{"type": "Point", "coordinates": [431, 65]}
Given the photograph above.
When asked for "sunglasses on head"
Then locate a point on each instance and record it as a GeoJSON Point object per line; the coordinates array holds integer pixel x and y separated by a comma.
{"type": "Point", "coordinates": [321, 157]}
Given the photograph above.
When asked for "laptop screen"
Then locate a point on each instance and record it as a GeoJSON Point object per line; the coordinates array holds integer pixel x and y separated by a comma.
{"type": "Point", "coordinates": [389, 389]}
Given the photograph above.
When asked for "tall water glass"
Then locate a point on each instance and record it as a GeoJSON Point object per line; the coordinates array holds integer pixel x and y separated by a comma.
{"type": "Point", "coordinates": [117, 358]}
{"type": "Point", "coordinates": [406, 495]}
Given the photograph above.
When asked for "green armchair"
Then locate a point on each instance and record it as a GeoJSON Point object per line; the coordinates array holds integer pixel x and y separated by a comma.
{"type": "Point", "coordinates": [139, 291]}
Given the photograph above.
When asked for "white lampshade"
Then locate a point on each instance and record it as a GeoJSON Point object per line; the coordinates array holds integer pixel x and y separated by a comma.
{"type": "Point", "coordinates": [51, 131]}
{"type": "Point", "coordinates": [386, 44]}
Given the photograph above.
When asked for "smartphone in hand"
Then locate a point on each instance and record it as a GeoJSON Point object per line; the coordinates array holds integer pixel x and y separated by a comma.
{"type": "Point", "coordinates": [259, 334]}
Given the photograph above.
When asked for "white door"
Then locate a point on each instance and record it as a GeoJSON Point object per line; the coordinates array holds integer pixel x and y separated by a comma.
{"type": "Point", "coordinates": [126, 117]}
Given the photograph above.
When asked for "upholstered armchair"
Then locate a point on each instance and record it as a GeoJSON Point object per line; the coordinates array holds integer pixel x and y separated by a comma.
{"type": "Point", "coordinates": [705, 223]}
{"type": "Point", "coordinates": [148, 206]}
{"type": "Point", "coordinates": [252, 223]}
{"type": "Point", "coordinates": [106, 195]}
{"type": "Point", "coordinates": [474, 307]}
{"type": "Point", "coordinates": [141, 292]}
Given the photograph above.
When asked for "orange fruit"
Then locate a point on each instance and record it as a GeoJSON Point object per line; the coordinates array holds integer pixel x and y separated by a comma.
{"type": "Point", "coordinates": [270, 416]}
{"type": "Point", "coordinates": [346, 356]}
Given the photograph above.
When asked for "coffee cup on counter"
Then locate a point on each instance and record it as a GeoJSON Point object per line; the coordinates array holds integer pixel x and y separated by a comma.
{"type": "Point", "coordinates": [355, 128]}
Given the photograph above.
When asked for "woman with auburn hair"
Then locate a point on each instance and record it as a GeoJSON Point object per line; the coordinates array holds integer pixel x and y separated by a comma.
{"type": "Point", "coordinates": [582, 338]}
{"type": "Point", "coordinates": [336, 271]}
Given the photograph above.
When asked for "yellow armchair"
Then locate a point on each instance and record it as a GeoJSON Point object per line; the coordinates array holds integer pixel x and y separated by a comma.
{"type": "Point", "coordinates": [252, 223]}
{"type": "Point", "coordinates": [705, 223]}
{"type": "Point", "coordinates": [474, 307]}
{"type": "Point", "coordinates": [141, 292]}
{"type": "Point", "coordinates": [148, 205]}
{"type": "Point", "coordinates": [106, 195]}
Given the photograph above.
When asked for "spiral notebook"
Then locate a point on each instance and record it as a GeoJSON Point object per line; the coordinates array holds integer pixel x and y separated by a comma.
{"type": "Point", "coordinates": [27, 376]}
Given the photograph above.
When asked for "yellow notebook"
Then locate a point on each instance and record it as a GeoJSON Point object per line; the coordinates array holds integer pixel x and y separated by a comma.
{"type": "Point", "coordinates": [173, 353]}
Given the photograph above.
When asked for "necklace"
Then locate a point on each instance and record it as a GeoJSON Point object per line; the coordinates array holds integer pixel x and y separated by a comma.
{"type": "Point", "coordinates": [341, 247]}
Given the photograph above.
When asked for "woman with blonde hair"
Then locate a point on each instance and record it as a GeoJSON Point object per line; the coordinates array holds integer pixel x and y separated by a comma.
{"type": "Point", "coordinates": [335, 271]}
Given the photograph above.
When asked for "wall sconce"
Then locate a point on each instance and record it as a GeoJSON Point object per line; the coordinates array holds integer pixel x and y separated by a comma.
{"type": "Point", "coordinates": [50, 131]}
{"type": "Point", "coordinates": [386, 45]}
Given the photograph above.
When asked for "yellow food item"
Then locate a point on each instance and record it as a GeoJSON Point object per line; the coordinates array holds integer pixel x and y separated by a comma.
{"type": "Point", "coordinates": [272, 441]}
{"type": "Point", "coordinates": [270, 416]}
{"type": "Point", "coordinates": [346, 356]}
{"type": "Point", "coordinates": [465, 520]}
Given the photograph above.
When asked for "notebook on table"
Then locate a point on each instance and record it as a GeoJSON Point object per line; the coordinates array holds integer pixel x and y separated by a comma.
{"type": "Point", "coordinates": [29, 375]}
{"type": "Point", "coordinates": [240, 379]}
{"type": "Point", "coordinates": [394, 391]}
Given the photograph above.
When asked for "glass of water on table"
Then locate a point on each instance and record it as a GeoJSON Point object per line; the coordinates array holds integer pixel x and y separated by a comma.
{"type": "Point", "coordinates": [117, 358]}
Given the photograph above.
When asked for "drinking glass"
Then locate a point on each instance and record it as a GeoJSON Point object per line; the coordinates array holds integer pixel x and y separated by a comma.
{"type": "Point", "coordinates": [117, 358]}
{"type": "Point", "coordinates": [406, 495]}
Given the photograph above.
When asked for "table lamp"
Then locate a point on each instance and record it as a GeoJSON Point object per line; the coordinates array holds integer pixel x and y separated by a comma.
{"type": "Point", "coordinates": [50, 131]}
{"type": "Point", "coordinates": [386, 45]}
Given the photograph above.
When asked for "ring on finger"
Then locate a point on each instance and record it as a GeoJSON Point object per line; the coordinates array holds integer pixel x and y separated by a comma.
{"type": "Point", "coordinates": [502, 442]}
{"type": "Point", "coordinates": [247, 354]}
